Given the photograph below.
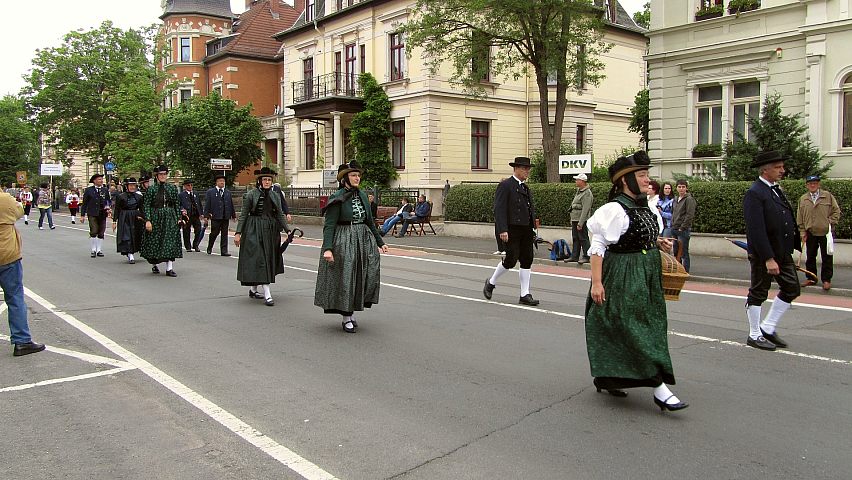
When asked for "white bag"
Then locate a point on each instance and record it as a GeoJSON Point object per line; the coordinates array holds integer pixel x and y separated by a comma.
{"type": "Point", "coordinates": [829, 242]}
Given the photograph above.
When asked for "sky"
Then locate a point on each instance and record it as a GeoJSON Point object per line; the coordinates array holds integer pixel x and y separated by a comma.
{"type": "Point", "coordinates": [54, 18]}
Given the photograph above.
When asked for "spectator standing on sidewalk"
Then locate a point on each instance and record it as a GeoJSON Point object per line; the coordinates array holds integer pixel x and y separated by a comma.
{"type": "Point", "coordinates": [581, 209]}
{"type": "Point", "coordinates": [664, 206]}
{"type": "Point", "coordinates": [772, 235]}
{"type": "Point", "coordinates": [817, 213]}
{"type": "Point", "coordinates": [12, 277]}
{"type": "Point", "coordinates": [683, 214]}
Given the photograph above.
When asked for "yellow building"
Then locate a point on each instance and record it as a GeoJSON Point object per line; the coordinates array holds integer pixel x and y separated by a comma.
{"type": "Point", "coordinates": [439, 133]}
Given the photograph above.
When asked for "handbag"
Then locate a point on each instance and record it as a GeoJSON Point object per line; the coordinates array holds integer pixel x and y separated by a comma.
{"type": "Point", "coordinates": [829, 242]}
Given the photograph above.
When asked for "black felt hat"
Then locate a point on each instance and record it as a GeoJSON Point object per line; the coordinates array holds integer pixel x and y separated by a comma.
{"type": "Point", "coordinates": [638, 160]}
{"type": "Point", "coordinates": [265, 172]}
{"type": "Point", "coordinates": [188, 181]}
{"type": "Point", "coordinates": [92, 180]}
{"type": "Point", "coordinates": [144, 178]}
{"type": "Point", "coordinates": [769, 156]}
{"type": "Point", "coordinates": [346, 168]}
{"type": "Point", "coordinates": [218, 176]}
{"type": "Point", "coordinates": [130, 180]}
{"type": "Point", "coordinates": [521, 162]}
{"type": "Point", "coordinates": [161, 169]}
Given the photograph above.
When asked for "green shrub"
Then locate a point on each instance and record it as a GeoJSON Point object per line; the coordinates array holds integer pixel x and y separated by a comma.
{"type": "Point", "coordinates": [706, 150]}
{"type": "Point", "coordinates": [720, 204]}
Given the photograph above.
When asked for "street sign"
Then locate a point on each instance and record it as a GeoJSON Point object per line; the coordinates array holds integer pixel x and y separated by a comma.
{"type": "Point", "coordinates": [22, 178]}
{"type": "Point", "coordinates": [109, 166]}
{"type": "Point", "coordinates": [575, 164]}
{"type": "Point", "coordinates": [329, 178]}
{"type": "Point", "coordinates": [51, 169]}
{"type": "Point", "coordinates": [220, 164]}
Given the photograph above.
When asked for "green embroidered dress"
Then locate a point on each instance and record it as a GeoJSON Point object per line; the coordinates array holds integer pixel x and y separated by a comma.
{"type": "Point", "coordinates": [162, 209]}
{"type": "Point", "coordinates": [626, 336]}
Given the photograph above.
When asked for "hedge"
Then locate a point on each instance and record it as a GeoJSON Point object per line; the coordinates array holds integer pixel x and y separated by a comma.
{"type": "Point", "coordinates": [720, 204]}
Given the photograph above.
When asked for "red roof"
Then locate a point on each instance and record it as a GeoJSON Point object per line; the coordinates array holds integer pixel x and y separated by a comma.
{"type": "Point", "coordinates": [255, 27]}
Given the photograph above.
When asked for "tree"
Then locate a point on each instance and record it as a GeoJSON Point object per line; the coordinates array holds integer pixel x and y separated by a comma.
{"type": "Point", "coordinates": [639, 116]}
{"type": "Point", "coordinates": [210, 127]}
{"type": "Point", "coordinates": [774, 130]}
{"type": "Point", "coordinates": [558, 40]}
{"type": "Point", "coordinates": [19, 145]}
{"type": "Point", "coordinates": [643, 18]}
{"type": "Point", "coordinates": [132, 143]}
{"type": "Point", "coordinates": [82, 92]}
{"type": "Point", "coordinates": [371, 134]}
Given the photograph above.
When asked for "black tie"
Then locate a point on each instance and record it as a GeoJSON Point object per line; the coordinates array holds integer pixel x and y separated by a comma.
{"type": "Point", "coordinates": [780, 193]}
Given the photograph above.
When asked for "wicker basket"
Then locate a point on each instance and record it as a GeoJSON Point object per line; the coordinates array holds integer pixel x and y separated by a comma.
{"type": "Point", "coordinates": [674, 276]}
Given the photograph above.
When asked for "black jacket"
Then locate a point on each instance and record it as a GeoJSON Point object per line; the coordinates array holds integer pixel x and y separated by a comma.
{"type": "Point", "coordinates": [771, 227]}
{"type": "Point", "coordinates": [93, 204]}
{"type": "Point", "coordinates": [513, 205]}
{"type": "Point", "coordinates": [219, 208]}
{"type": "Point", "coordinates": [186, 200]}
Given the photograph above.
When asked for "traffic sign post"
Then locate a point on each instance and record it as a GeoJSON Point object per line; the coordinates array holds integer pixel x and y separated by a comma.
{"type": "Point", "coordinates": [220, 164]}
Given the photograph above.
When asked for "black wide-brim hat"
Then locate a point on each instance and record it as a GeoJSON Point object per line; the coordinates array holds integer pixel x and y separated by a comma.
{"type": "Point", "coordinates": [634, 162]}
{"type": "Point", "coordinates": [218, 176]}
{"type": "Point", "coordinates": [265, 172]}
{"type": "Point", "coordinates": [188, 181]}
{"type": "Point", "coordinates": [769, 156]}
{"type": "Point", "coordinates": [161, 169]}
{"type": "Point", "coordinates": [92, 180]}
{"type": "Point", "coordinates": [521, 162]}
{"type": "Point", "coordinates": [144, 178]}
{"type": "Point", "coordinates": [130, 180]}
{"type": "Point", "coordinates": [347, 168]}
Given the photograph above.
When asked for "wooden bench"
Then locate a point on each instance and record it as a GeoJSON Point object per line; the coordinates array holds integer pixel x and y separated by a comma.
{"type": "Point", "coordinates": [384, 213]}
{"type": "Point", "coordinates": [415, 222]}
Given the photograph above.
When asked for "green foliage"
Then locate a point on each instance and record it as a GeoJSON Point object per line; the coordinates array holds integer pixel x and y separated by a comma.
{"type": "Point", "coordinates": [737, 6]}
{"type": "Point", "coordinates": [210, 127]}
{"type": "Point", "coordinates": [639, 115]}
{"type": "Point", "coordinates": [560, 39]}
{"type": "Point", "coordinates": [19, 146]}
{"type": "Point", "coordinates": [706, 150]}
{"type": "Point", "coordinates": [709, 9]}
{"type": "Point", "coordinates": [80, 90]}
{"type": "Point", "coordinates": [371, 134]}
{"type": "Point", "coordinates": [643, 18]}
{"type": "Point", "coordinates": [720, 204]}
{"type": "Point", "coordinates": [132, 144]}
{"type": "Point", "coordinates": [776, 131]}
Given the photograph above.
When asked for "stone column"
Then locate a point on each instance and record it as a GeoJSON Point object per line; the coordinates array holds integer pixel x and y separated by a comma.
{"type": "Point", "coordinates": [296, 160]}
{"type": "Point", "coordinates": [338, 140]}
{"type": "Point", "coordinates": [279, 156]}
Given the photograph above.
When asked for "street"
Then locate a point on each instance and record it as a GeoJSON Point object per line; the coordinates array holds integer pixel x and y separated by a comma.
{"type": "Point", "coordinates": [153, 377]}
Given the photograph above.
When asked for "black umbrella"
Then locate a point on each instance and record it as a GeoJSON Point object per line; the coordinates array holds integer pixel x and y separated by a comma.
{"type": "Point", "coordinates": [745, 247]}
{"type": "Point", "coordinates": [290, 235]}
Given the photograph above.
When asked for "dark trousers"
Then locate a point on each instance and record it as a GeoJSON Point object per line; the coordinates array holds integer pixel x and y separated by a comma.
{"type": "Point", "coordinates": [216, 227]}
{"type": "Point", "coordinates": [519, 247]}
{"type": "Point", "coordinates": [195, 224]}
{"type": "Point", "coordinates": [761, 280]}
{"type": "Point", "coordinates": [97, 226]}
{"type": "Point", "coordinates": [814, 243]}
{"type": "Point", "coordinates": [581, 239]}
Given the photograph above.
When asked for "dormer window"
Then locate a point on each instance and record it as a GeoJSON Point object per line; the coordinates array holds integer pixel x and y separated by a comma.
{"type": "Point", "coordinates": [310, 10]}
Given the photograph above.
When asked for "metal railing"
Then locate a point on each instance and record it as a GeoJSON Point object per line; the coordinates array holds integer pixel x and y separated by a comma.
{"type": "Point", "coordinates": [309, 200]}
{"type": "Point", "coordinates": [329, 85]}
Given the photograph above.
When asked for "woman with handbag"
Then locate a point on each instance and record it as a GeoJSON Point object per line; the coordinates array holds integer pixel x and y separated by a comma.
{"type": "Point", "coordinates": [348, 274]}
{"type": "Point", "coordinates": [258, 235]}
{"type": "Point", "coordinates": [626, 323]}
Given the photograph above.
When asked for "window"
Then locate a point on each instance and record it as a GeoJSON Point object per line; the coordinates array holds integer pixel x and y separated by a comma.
{"type": "Point", "coordinates": [170, 56]}
{"type": "Point", "coordinates": [479, 145]}
{"type": "Point", "coordinates": [185, 94]}
{"type": "Point", "coordinates": [310, 151]}
{"type": "Point", "coordinates": [350, 68]}
{"type": "Point", "coordinates": [308, 77]}
{"type": "Point", "coordinates": [580, 145]}
{"type": "Point", "coordinates": [185, 49]}
{"type": "Point", "coordinates": [847, 112]}
{"type": "Point", "coordinates": [309, 10]}
{"type": "Point", "coordinates": [337, 71]}
{"type": "Point", "coordinates": [746, 104]}
{"type": "Point", "coordinates": [481, 64]}
{"type": "Point", "coordinates": [363, 58]}
{"type": "Point", "coordinates": [398, 144]}
{"type": "Point", "coordinates": [339, 4]}
{"type": "Point", "coordinates": [397, 56]}
{"type": "Point", "coordinates": [710, 115]}
{"type": "Point", "coordinates": [580, 82]}
{"type": "Point", "coordinates": [218, 89]}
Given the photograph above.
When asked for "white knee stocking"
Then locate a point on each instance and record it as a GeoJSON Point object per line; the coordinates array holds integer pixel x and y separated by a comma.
{"type": "Point", "coordinates": [170, 265]}
{"type": "Point", "coordinates": [266, 293]}
{"type": "Point", "coordinates": [771, 321]}
{"type": "Point", "coordinates": [753, 312]}
{"type": "Point", "coordinates": [525, 281]}
{"type": "Point", "coordinates": [500, 270]}
{"type": "Point", "coordinates": [94, 243]}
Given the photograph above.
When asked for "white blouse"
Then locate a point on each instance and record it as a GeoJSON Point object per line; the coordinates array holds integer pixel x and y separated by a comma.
{"type": "Point", "coordinates": [608, 224]}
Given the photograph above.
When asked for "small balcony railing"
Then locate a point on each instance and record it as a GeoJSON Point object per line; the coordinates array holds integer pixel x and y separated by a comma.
{"type": "Point", "coordinates": [328, 85]}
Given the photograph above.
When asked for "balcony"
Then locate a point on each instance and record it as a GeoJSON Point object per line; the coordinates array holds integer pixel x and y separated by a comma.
{"type": "Point", "coordinates": [317, 97]}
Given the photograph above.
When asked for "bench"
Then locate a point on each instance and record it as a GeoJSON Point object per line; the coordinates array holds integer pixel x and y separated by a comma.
{"type": "Point", "coordinates": [383, 213]}
{"type": "Point", "coordinates": [421, 222]}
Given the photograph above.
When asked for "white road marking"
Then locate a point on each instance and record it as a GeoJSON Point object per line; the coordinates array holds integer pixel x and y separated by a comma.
{"type": "Point", "coordinates": [245, 431]}
{"type": "Point", "coordinates": [581, 317]}
{"type": "Point", "coordinates": [67, 379]}
{"type": "Point", "coordinates": [86, 357]}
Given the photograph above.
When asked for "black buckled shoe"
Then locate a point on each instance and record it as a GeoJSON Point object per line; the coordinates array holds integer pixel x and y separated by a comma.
{"type": "Point", "coordinates": [22, 349]}
{"type": "Point", "coordinates": [94, 254]}
{"type": "Point", "coordinates": [100, 254]}
{"type": "Point", "coordinates": [269, 302]}
{"type": "Point", "coordinates": [171, 273]}
{"type": "Point", "coordinates": [774, 338]}
{"type": "Point", "coordinates": [528, 300]}
{"type": "Point", "coordinates": [760, 343]}
{"type": "Point", "coordinates": [348, 329]}
{"type": "Point", "coordinates": [672, 407]}
{"type": "Point", "coordinates": [155, 270]}
{"type": "Point", "coordinates": [488, 290]}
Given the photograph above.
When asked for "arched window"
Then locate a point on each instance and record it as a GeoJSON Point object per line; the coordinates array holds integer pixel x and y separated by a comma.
{"type": "Point", "coordinates": [847, 111]}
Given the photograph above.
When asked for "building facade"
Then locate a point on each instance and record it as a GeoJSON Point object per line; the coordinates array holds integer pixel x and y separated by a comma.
{"type": "Point", "coordinates": [712, 62]}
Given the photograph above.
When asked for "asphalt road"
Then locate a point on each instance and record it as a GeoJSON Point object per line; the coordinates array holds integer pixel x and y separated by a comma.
{"type": "Point", "coordinates": [155, 377]}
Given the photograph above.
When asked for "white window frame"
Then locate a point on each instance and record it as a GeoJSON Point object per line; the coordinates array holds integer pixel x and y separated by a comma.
{"type": "Point", "coordinates": [180, 49]}
{"type": "Point", "coordinates": [710, 105]}
{"type": "Point", "coordinates": [743, 101]}
{"type": "Point", "coordinates": [845, 88]}
{"type": "Point", "coordinates": [180, 94]}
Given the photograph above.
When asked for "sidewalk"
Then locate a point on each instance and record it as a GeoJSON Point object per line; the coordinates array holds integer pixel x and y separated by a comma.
{"type": "Point", "coordinates": [703, 268]}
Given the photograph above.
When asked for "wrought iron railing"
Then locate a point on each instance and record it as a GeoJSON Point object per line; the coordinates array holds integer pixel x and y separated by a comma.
{"type": "Point", "coordinates": [309, 200]}
{"type": "Point", "coordinates": [328, 85]}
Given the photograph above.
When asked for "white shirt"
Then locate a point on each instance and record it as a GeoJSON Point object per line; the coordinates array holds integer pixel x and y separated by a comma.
{"type": "Point", "coordinates": [608, 224]}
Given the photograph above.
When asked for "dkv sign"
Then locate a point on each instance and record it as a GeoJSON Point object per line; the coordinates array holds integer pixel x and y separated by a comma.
{"type": "Point", "coordinates": [575, 164]}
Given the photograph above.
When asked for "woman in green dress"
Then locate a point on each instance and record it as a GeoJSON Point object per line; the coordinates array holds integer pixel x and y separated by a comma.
{"type": "Point", "coordinates": [626, 324]}
{"type": "Point", "coordinates": [258, 235]}
{"type": "Point", "coordinates": [161, 239]}
{"type": "Point", "coordinates": [348, 273]}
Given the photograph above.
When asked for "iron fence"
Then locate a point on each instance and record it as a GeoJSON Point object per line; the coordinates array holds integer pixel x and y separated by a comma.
{"type": "Point", "coordinates": [337, 84]}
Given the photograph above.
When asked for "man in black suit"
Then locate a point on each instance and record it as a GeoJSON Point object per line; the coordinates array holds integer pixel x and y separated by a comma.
{"type": "Point", "coordinates": [219, 208]}
{"type": "Point", "coordinates": [514, 218]}
{"type": "Point", "coordinates": [772, 235]}
{"type": "Point", "coordinates": [190, 209]}
{"type": "Point", "coordinates": [96, 205]}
